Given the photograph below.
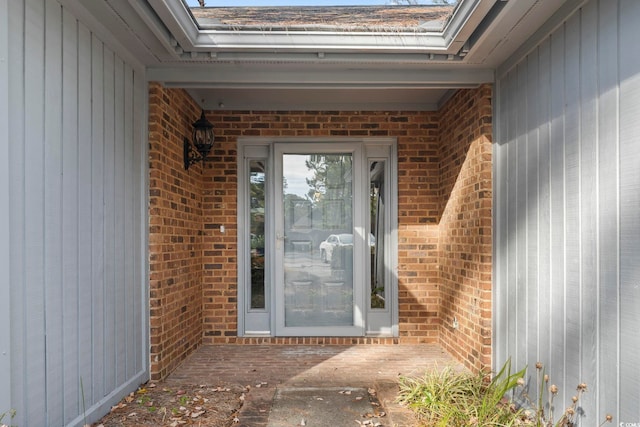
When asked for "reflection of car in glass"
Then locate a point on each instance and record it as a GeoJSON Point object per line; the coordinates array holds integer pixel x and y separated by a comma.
{"type": "Point", "coordinates": [334, 240]}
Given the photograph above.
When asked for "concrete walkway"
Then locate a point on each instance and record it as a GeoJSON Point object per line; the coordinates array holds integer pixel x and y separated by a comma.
{"type": "Point", "coordinates": [271, 368]}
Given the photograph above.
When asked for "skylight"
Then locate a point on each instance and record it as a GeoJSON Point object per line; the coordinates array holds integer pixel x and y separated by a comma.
{"type": "Point", "coordinates": [257, 3]}
{"type": "Point", "coordinates": [324, 15]}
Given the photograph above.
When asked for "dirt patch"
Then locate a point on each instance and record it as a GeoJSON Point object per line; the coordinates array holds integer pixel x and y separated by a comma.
{"type": "Point", "coordinates": [162, 404]}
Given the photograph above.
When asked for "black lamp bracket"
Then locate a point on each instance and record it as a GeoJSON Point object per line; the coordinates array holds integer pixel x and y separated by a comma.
{"type": "Point", "coordinates": [191, 156]}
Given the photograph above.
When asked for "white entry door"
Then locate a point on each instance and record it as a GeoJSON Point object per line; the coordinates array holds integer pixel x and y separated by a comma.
{"type": "Point", "coordinates": [320, 231]}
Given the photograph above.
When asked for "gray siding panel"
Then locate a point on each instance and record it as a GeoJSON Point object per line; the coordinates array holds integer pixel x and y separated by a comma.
{"type": "Point", "coordinates": [556, 303]}
{"type": "Point", "coordinates": [608, 231]}
{"type": "Point", "coordinates": [520, 225]}
{"type": "Point", "coordinates": [572, 139]}
{"type": "Point", "coordinates": [85, 293]}
{"type": "Point", "coordinates": [589, 207]}
{"type": "Point", "coordinates": [32, 304]}
{"type": "Point", "coordinates": [97, 221]}
{"type": "Point", "coordinates": [5, 225]}
{"type": "Point", "coordinates": [544, 200]}
{"type": "Point", "coordinates": [629, 212]}
{"type": "Point", "coordinates": [16, 218]}
{"type": "Point", "coordinates": [531, 307]}
{"type": "Point", "coordinates": [581, 107]}
{"type": "Point", "coordinates": [76, 209]}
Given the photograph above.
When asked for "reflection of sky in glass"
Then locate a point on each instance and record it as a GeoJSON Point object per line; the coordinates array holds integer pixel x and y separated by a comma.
{"type": "Point", "coordinates": [296, 173]}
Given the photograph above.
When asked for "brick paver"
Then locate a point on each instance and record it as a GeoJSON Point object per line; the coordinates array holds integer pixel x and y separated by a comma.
{"type": "Point", "coordinates": [265, 367]}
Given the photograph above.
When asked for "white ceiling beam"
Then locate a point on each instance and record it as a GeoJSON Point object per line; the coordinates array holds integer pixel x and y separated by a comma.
{"type": "Point", "coordinates": [265, 76]}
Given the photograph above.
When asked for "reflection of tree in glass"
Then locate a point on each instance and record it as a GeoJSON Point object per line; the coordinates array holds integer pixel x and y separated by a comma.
{"type": "Point", "coordinates": [257, 198]}
{"type": "Point", "coordinates": [330, 175]}
{"type": "Point", "coordinates": [331, 183]}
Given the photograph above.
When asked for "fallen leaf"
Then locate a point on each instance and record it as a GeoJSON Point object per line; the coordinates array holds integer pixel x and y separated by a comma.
{"type": "Point", "coordinates": [196, 414]}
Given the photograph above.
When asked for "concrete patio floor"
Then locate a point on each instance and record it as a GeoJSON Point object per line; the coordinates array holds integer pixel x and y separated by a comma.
{"type": "Point", "coordinates": [267, 368]}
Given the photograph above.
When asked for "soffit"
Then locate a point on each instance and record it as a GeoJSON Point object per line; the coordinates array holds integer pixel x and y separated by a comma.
{"type": "Point", "coordinates": [336, 69]}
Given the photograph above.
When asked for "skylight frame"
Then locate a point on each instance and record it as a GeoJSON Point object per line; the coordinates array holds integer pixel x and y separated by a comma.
{"type": "Point", "coordinates": [188, 39]}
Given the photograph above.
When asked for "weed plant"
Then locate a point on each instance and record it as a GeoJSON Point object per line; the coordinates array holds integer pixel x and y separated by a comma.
{"type": "Point", "coordinates": [448, 397]}
{"type": "Point", "coordinates": [11, 414]}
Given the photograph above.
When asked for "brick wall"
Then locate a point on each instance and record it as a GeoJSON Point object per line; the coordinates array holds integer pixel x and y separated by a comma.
{"type": "Point", "coordinates": [442, 205]}
{"type": "Point", "coordinates": [417, 135]}
{"type": "Point", "coordinates": [465, 226]}
{"type": "Point", "coordinates": [175, 232]}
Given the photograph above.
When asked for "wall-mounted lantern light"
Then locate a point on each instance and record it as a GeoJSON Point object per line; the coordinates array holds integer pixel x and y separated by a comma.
{"type": "Point", "coordinates": [202, 140]}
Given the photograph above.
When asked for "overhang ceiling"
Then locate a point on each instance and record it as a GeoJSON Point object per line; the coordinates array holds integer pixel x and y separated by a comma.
{"type": "Point", "coordinates": [315, 70]}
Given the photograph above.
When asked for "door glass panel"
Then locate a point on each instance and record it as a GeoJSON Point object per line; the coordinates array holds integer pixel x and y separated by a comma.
{"type": "Point", "coordinates": [318, 241]}
{"type": "Point", "coordinates": [376, 238]}
{"type": "Point", "coordinates": [257, 205]}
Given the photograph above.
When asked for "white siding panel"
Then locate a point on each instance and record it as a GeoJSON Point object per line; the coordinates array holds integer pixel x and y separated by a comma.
{"type": "Point", "coordinates": [53, 193]}
{"type": "Point", "coordinates": [608, 229]}
{"type": "Point", "coordinates": [76, 215]}
{"type": "Point", "coordinates": [556, 303]}
{"type": "Point", "coordinates": [119, 223]}
{"type": "Point", "coordinates": [32, 306]}
{"type": "Point", "coordinates": [544, 194]}
{"type": "Point", "coordinates": [500, 229]}
{"type": "Point", "coordinates": [629, 212]}
{"type": "Point", "coordinates": [512, 219]}
{"type": "Point", "coordinates": [85, 290]}
{"type": "Point", "coordinates": [5, 225]}
{"type": "Point", "coordinates": [572, 140]}
{"type": "Point", "coordinates": [589, 209]}
{"type": "Point", "coordinates": [110, 255]}
{"type": "Point", "coordinates": [531, 307]}
{"type": "Point", "coordinates": [97, 221]}
{"type": "Point", "coordinates": [520, 224]}
{"type": "Point", "coordinates": [128, 206]}
{"type": "Point", "coordinates": [70, 207]}
{"type": "Point", "coordinates": [16, 206]}
{"type": "Point", "coordinates": [582, 107]}
{"type": "Point", "coordinates": [140, 186]}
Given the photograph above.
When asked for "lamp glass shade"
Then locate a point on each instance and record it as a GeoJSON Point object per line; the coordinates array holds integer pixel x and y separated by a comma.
{"type": "Point", "coordinates": [203, 136]}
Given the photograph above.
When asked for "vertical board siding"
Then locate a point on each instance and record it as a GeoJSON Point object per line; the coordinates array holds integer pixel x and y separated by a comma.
{"type": "Point", "coordinates": [568, 120]}
{"type": "Point", "coordinates": [76, 209]}
{"type": "Point", "coordinates": [629, 211]}
{"type": "Point", "coordinates": [589, 199]}
{"type": "Point", "coordinates": [531, 308]}
{"type": "Point", "coordinates": [5, 226]}
{"type": "Point", "coordinates": [15, 131]}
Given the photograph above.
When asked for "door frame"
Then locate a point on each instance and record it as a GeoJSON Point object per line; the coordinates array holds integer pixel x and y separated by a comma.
{"type": "Point", "coordinates": [267, 317]}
